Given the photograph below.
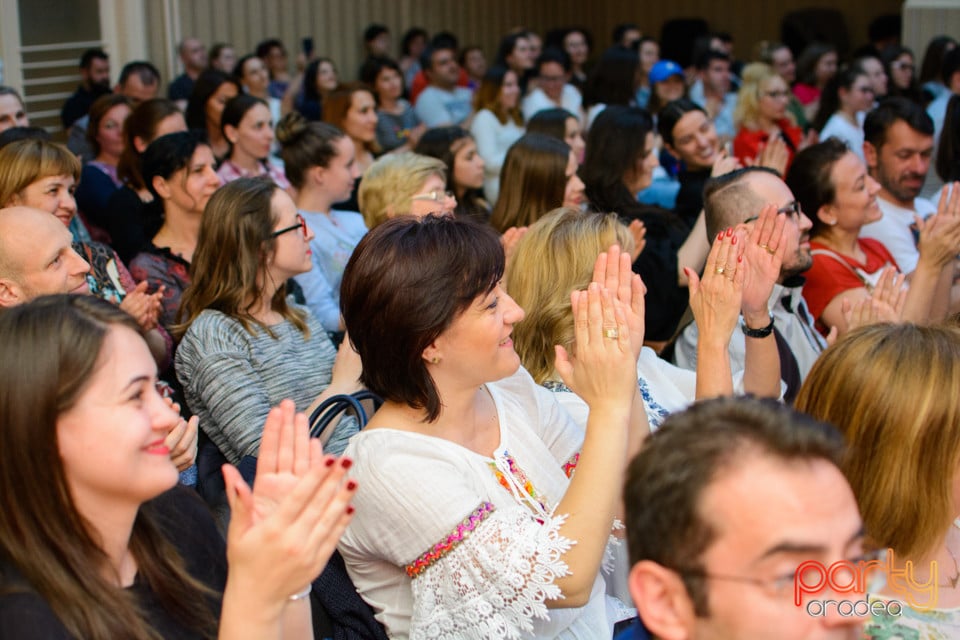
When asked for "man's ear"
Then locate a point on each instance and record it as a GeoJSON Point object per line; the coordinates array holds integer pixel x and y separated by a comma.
{"type": "Point", "coordinates": [870, 154]}
{"type": "Point", "coordinates": [10, 293]}
{"type": "Point", "coordinates": [662, 601]}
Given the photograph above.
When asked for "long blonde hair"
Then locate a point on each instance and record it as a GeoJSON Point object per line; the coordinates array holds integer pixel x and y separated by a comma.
{"type": "Point", "coordinates": [891, 390]}
{"type": "Point", "coordinates": [755, 76]}
{"type": "Point", "coordinates": [553, 258]}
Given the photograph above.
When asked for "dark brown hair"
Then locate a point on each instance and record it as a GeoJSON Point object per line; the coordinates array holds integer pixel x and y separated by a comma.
{"type": "Point", "coordinates": [666, 480]}
{"type": "Point", "coordinates": [141, 123]}
{"type": "Point", "coordinates": [305, 144]}
{"type": "Point", "coordinates": [98, 111]}
{"type": "Point", "coordinates": [811, 181]}
{"type": "Point", "coordinates": [49, 349]}
{"type": "Point", "coordinates": [405, 283]}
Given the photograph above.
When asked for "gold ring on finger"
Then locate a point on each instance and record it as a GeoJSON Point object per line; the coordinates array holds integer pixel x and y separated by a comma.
{"type": "Point", "coordinates": [611, 333]}
{"type": "Point", "coordinates": [769, 250]}
{"type": "Point", "coordinates": [719, 271]}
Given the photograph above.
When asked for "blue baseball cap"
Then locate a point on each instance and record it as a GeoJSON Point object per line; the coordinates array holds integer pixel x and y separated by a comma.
{"type": "Point", "coordinates": [665, 69]}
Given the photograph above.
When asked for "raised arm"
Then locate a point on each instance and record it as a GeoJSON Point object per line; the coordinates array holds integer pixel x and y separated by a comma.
{"type": "Point", "coordinates": [283, 532]}
{"type": "Point", "coordinates": [604, 374]}
{"type": "Point", "coordinates": [715, 302]}
{"type": "Point", "coordinates": [763, 253]}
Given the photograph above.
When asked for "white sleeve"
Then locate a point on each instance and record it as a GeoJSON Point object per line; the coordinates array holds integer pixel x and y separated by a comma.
{"type": "Point", "coordinates": [496, 577]}
{"type": "Point", "coordinates": [320, 298]}
{"type": "Point", "coordinates": [484, 130]}
{"type": "Point", "coordinates": [534, 103]}
{"type": "Point", "coordinates": [476, 569]}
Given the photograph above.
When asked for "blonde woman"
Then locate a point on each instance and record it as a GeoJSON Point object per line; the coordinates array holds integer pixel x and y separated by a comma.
{"type": "Point", "coordinates": [404, 183]}
{"type": "Point", "coordinates": [559, 254]}
{"type": "Point", "coordinates": [890, 389]}
{"type": "Point", "coordinates": [765, 126]}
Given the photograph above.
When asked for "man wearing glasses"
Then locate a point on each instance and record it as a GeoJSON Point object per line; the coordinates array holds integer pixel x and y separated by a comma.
{"type": "Point", "coordinates": [736, 198]}
{"type": "Point", "coordinates": [722, 504]}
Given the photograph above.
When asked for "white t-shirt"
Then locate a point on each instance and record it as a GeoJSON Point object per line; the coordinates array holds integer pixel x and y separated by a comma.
{"type": "Point", "coordinates": [439, 108]}
{"type": "Point", "coordinates": [839, 127]}
{"type": "Point", "coordinates": [893, 230]}
{"type": "Point", "coordinates": [493, 141]}
{"type": "Point", "coordinates": [537, 100]}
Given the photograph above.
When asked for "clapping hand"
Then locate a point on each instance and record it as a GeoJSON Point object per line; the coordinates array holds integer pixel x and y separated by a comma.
{"type": "Point", "coordinates": [763, 254]}
{"type": "Point", "coordinates": [283, 531]}
{"type": "Point", "coordinates": [715, 299]}
{"type": "Point", "coordinates": [724, 164]}
{"type": "Point", "coordinates": [144, 307]}
{"type": "Point", "coordinates": [613, 272]}
{"type": "Point", "coordinates": [182, 439]}
{"type": "Point", "coordinates": [940, 234]}
{"type": "Point", "coordinates": [603, 370]}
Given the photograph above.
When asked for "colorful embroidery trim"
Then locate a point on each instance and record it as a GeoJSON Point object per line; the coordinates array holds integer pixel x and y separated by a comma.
{"type": "Point", "coordinates": [571, 465]}
{"type": "Point", "coordinates": [445, 546]}
{"type": "Point", "coordinates": [520, 479]}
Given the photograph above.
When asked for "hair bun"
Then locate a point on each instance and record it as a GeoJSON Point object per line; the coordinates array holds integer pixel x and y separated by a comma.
{"type": "Point", "coordinates": [291, 127]}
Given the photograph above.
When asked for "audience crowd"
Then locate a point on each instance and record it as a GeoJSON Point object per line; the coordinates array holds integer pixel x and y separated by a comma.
{"type": "Point", "coordinates": [647, 348]}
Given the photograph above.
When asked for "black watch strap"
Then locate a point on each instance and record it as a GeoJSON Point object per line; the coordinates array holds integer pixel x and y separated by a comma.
{"type": "Point", "coordinates": [756, 333]}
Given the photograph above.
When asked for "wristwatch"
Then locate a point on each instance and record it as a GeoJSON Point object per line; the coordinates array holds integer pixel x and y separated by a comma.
{"type": "Point", "coordinates": [756, 333]}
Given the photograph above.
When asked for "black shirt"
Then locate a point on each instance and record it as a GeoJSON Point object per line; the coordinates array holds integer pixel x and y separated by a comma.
{"type": "Point", "coordinates": [188, 525]}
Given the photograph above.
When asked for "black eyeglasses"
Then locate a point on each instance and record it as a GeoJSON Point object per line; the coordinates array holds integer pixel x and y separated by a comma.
{"type": "Point", "coordinates": [791, 208]}
{"type": "Point", "coordinates": [301, 224]}
{"type": "Point", "coordinates": [783, 586]}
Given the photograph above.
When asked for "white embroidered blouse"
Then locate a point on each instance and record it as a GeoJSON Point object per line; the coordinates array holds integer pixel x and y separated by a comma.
{"type": "Point", "coordinates": [447, 543]}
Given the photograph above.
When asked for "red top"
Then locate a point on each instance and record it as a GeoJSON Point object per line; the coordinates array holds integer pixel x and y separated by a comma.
{"type": "Point", "coordinates": [747, 144]}
{"type": "Point", "coordinates": [828, 277]}
{"type": "Point", "coordinates": [806, 93]}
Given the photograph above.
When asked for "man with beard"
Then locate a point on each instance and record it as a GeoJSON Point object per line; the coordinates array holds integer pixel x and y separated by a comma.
{"type": "Point", "coordinates": [898, 146]}
{"type": "Point", "coordinates": [736, 198]}
{"type": "Point", "coordinates": [94, 82]}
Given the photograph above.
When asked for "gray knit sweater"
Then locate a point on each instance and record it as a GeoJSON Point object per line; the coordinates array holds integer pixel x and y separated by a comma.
{"type": "Point", "coordinates": [232, 378]}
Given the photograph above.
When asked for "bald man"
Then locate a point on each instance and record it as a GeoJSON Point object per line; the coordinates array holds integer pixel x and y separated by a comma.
{"type": "Point", "coordinates": [36, 257]}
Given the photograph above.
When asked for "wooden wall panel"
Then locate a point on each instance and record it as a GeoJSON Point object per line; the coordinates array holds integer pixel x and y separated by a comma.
{"type": "Point", "coordinates": [337, 25]}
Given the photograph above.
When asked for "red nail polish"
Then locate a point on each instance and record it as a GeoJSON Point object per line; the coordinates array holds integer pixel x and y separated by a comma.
{"type": "Point", "coordinates": [330, 462]}
{"type": "Point", "coordinates": [734, 241]}
{"type": "Point", "coordinates": [350, 509]}
{"type": "Point", "coordinates": [739, 258]}
{"type": "Point", "coordinates": [729, 232]}
{"type": "Point", "coordinates": [720, 236]}
{"type": "Point", "coordinates": [346, 463]}
{"type": "Point", "coordinates": [351, 485]}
